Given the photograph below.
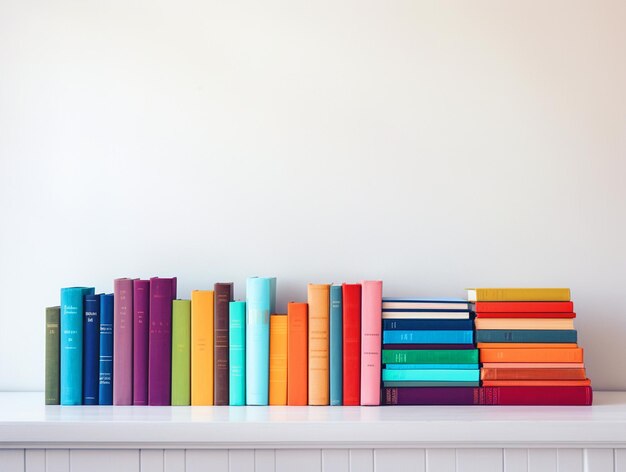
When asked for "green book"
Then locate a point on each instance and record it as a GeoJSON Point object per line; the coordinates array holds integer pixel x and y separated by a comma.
{"type": "Point", "coordinates": [181, 352]}
{"type": "Point", "coordinates": [417, 383]}
{"type": "Point", "coordinates": [431, 375]}
{"type": "Point", "coordinates": [53, 317]}
{"type": "Point", "coordinates": [430, 356]}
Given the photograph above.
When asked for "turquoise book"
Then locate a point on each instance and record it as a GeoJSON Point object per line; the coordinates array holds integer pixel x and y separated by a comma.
{"type": "Point", "coordinates": [431, 375]}
{"type": "Point", "coordinates": [237, 353]}
{"type": "Point", "coordinates": [260, 303]}
{"type": "Point", "coordinates": [72, 344]}
{"type": "Point", "coordinates": [432, 366]}
{"type": "Point", "coordinates": [336, 341]}
{"type": "Point", "coordinates": [428, 337]}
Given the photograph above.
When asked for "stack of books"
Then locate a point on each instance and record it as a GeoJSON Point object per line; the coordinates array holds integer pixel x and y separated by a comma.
{"type": "Point", "coordinates": [428, 349]}
{"type": "Point", "coordinates": [528, 344]}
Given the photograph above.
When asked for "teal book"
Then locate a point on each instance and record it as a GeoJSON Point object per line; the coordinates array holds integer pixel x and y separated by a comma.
{"type": "Point", "coordinates": [336, 341]}
{"type": "Point", "coordinates": [430, 356]}
{"type": "Point", "coordinates": [181, 352]}
{"type": "Point", "coordinates": [72, 343]}
{"type": "Point", "coordinates": [432, 366]}
{"type": "Point", "coordinates": [526, 336]}
{"type": "Point", "coordinates": [428, 337]}
{"type": "Point", "coordinates": [237, 353]}
{"type": "Point", "coordinates": [260, 303]}
{"type": "Point", "coordinates": [431, 375]}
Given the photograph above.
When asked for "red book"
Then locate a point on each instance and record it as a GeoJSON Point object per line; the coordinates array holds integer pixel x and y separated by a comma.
{"type": "Point", "coordinates": [351, 294]}
{"type": "Point", "coordinates": [520, 314]}
{"type": "Point", "coordinates": [524, 307]}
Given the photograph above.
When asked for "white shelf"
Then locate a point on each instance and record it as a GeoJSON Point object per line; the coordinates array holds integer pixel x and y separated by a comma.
{"type": "Point", "coordinates": [26, 423]}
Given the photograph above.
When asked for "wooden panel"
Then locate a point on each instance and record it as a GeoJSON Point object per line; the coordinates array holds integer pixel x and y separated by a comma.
{"type": "Point", "coordinates": [599, 460]}
{"type": "Point", "coordinates": [395, 460]}
{"type": "Point", "coordinates": [336, 460]}
{"type": "Point", "coordinates": [174, 460]}
{"type": "Point", "coordinates": [206, 460]}
{"type": "Point", "coordinates": [104, 460]}
{"type": "Point", "coordinates": [12, 460]}
{"type": "Point", "coordinates": [151, 460]}
{"type": "Point", "coordinates": [57, 460]}
{"type": "Point", "coordinates": [479, 460]}
{"type": "Point", "coordinates": [361, 460]}
{"type": "Point", "coordinates": [264, 460]}
{"type": "Point", "coordinates": [570, 460]}
{"type": "Point", "coordinates": [301, 460]}
{"type": "Point", "coordinates": [515, 460]}
{"type": "Point", "coordinates": [620, 460]}
{"type": "Point", "coordinates": [241, 460]}
{"type": "Point", "coordinates": [541, 460]}
{"type": "Point", "coordinates": [440, 460]}
{"type": "Point", "coordinates": [35, 460]}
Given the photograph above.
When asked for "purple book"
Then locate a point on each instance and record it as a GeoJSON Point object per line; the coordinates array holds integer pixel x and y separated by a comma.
{"type": "Point", "coordinates": [123, 341]}
{"type": "Point", "coordinates": [141, 328]}
{"type": "Point", "coordinates": [431, 396]}
{"type": "Point", "coordinates": [162, 292]}
{"type": "Point", "coordinates": [428, 346]}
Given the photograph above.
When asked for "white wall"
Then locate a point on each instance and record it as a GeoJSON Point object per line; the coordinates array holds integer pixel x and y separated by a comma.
{"type": "Point", "coordinates": [436, 145]}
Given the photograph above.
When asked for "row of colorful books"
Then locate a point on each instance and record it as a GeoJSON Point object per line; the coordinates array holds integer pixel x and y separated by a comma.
{"type": "Point", "coordinates": [142, 346]}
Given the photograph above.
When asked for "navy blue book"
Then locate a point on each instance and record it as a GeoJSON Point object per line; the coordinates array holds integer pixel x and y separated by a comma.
{"type": "Point", "coordinates": [91, 349]}
{"type": "Point", "coordinates": [526, 336]}
{"type": "Point", "coordinates": [105, 382]}
{"type": "Point", "coordinates": [411, 324]}
{"type": "Point", "coordinates": [336, 342]}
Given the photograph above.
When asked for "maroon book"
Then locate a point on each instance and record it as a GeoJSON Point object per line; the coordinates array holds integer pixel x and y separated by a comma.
{"type": "Point", "coordinates": [223, 297]}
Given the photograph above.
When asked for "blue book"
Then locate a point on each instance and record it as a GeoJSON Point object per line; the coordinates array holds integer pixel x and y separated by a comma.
{"type": "Point", "coordinates": [431, 366]}
{"type": "Point", "coordinates": [260, 303]}
{"type": "Point", "coordinates": [91, 350]}
{"type": "Point", "coordinates": [431, 375]}
{"type": "Point", "coordinates": [105, 382]}
{"type": "Point", "coordinates": [237, 353]}
{"type": "Point", "coordinates": [526, 336]}
{"type": "Point", "coordinates": [336, 346]}
{"type": "Point", "coordinates": [72, 344]}
{"type": "Point", "coordinates": [422, 324]}
{"type": "Point", "coordinates": [428, 337]}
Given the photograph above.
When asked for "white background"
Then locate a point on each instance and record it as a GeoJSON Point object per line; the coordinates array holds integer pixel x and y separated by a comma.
{"type": "Point", "coordinates": [435, 145]}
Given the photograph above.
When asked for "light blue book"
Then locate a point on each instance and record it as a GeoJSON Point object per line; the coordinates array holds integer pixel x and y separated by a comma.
{"type": "Point", "coordinates": [431, 366]}
{"type": "Point", "coordinates": [237, 353]}
{"type": "Point", "coordinates": [431, 375]}
{"type": "Point", "coordinates": [428, 337]}
{"type": "Point", "coordinates": [336, 348]}
{"type": "Point", "coordinates": [105, 382]}
{"type": "Point", "coordinates": [260, 303]}
{"type": "Point", "coordinates": [72, 344]}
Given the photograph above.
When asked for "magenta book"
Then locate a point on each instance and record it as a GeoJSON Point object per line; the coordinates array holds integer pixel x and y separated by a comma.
{"type": "Point", "coordinates": [371, 321]}
{"type": "Point", "coordinates": [123, 341]}
{"type": "Point", "coordinates": [141, 329]}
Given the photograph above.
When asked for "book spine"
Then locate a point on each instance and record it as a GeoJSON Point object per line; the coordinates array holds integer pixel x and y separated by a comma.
{"type": "Point", "coordinates": [261, 295]}
{"type": "Point", "coordinates": [524, 307]}
{"type": "Point", "coordinates": [351, 298]}
{"type": "Point", "coordinates": [297, 354]}
{"type": "Point", "coordinates": [162, 293]}
{"type": "Point", "coordinates": [520, 314]}
{"type": "Point", "coordinates": [53, 319]}
{"type": "Point", "coordinates": [490, 373]}
{"type": "Point", "coordinates": [405, 346]}
{"type": "Point", "coordinates": [431, 375]}
{"type": "Point", "coordinates": [72, 344]}
{"type": "Point", "coordinates": [319, 324]}
{"type": "Point", "coordinates": [432, 366]}
{"type": "Point", "coordinates": [526, 336]}
{"type": "Point", "coordinates": [202, 306]}
{"type": "Point", "coordinates": [531, 355]}
{"type": "Point", "coordinates": [522, 294]}
{"type": "Point", "coordinates": [371, 321]}
{"type": "Point", "coordinates": [525, 323]}
{"type": "Point", "coordinates": [574, 396]}
{"type": "Point", "coordinates": [413, 325]}
{"type": "Point", "coordinates": [427, 356]}
{"type": "Point", "coordinates": [141, 330]}
{"type": "Point", "coordinates": [237, 353]}
{"type": "Point", "coordinates": [336, 345]}
{"type": "Point", "coordinates": [91, 350]}
{"type": "Point", "coordinates": [425, 336]}
{"type": "Point", "coordinates": [123, 342]}
{"type": "Point", "coordinates": [181, 352]}
{"type": "Point", "coordinates": [105, 382]}
{"type": "Point", "coordinates": [431, 396]}
{"type": "Point", "coordinates": [223, 296]}
{"type": "Point", "coordinates": [278, 360]}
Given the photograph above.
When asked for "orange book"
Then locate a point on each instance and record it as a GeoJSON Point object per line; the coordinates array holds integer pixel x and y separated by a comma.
{"type": "Point", "coordinates": [537, 383]}
{"type": "Point", "coordinates": [531, 355]}
{"type": "Point", "coordinates": [297, 354]}
{"type": "Point", "coordinates": [526, 345]}
{"type": "Point", "coordinates": [278, 360]}
{"type": "Point", "coordinates": [532, 374]}
{"type": "Point", "coordinates": [319, 321]}
{"type": "Point", "coordinates": [202, 347]}
{"type": "Point", "coordinates": [524, 323]}
{"type": "Point", "coordinates": [533, 365]}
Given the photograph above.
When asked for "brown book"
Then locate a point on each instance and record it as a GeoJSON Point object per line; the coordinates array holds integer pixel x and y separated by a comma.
{"type": "Point", "coordinates": [532, 374]}
{"type": "Point", "coordinates": [223, 296]}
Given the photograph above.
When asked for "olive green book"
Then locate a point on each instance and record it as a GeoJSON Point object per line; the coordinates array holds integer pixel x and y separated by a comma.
{"type": "Point", "coordinates": [181, 352]}
{"type": "Point", "coordinates": [53, 316]}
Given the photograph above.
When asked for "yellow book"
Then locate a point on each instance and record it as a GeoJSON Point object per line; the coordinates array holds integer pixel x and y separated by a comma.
{"type": "Point", "coordinates": [319, 320]}
{"type": "Point", "coordinates": [524, 323]}
{"type": "Point", "coordinates": [202, 347]}
{"type": "Point", "coordinates": [518, 294]}
{"type": "Point", "coordinates": [278, 360]}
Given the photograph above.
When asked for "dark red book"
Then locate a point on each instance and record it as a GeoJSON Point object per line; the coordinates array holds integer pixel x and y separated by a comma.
{"type": "Point", "coordinates": [223, 297]}
{"type": "Point", "coordinates": [351, 294]}
{"type": "Point", "coordinates": [521, 314]}
{"type": "Point", "coordinates": [524, 307]}
{"type": "Point", "coordinates": [428, 346]}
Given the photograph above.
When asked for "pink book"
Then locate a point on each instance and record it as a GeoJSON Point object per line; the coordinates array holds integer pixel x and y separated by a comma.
{"type": "Point", "coordinates": [371, 321]}
{"type": "Point", "coordinates": [123, 341]}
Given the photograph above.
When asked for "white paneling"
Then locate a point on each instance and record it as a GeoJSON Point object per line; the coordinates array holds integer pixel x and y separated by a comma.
{"type": "Point", "coordinates": [361, 460]}
{"type": "Point", "coordinates": [174, 460]}
{"type": "Point", "coordinates": [620, 460]}
{"type": "Point", "coordinates": [570, 460]}
{"type": "Point", "coordinates": [394, 460]}
{"type": "Point", "coordinates": [57, 460]}
{"type": "Point", "coordinates": [206, 460]}
{"type": "Point", "coordinates": [440, 460]}
{"type": "Point", "coordinates": [35, 460]}
{"type": "Point", "coordinates": [301, 460]}
{"type": "Point", "coordinates": [264, 460]}
{"type": "Point", "coordinates": [541, 460]}
{"type": "Point", "coordinates": [12, 460]}
{"type": "Point", "coordinates": [241, 460]}
{"type": "Point", "coordinates": [515, 460]}
{"type": "Point", "coordinates": [104, 460]}
{"type": "Point", "coordinates": [336, 460]}
{"type": "Point", "coordinates": [479, 460]}
{"type": "Point", "coordinates": [599, 460]}
{"type": "Point", "coordinates": [151, 460]}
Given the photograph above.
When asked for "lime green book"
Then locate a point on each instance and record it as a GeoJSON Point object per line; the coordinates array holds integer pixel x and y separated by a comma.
{"type": "Point", "coordinates": [181, 352]}
{"type": "Point", "coordinates": [430, 356]}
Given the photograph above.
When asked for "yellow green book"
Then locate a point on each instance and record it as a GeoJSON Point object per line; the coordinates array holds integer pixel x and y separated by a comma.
{"type": "Point", "coordinates": [518, 294]}
{"type": "Point", "coordinates": [181, 352]}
